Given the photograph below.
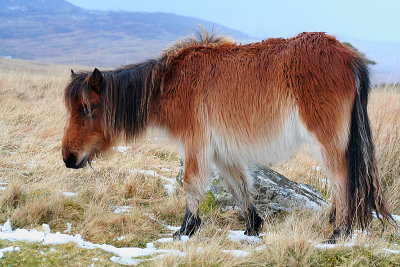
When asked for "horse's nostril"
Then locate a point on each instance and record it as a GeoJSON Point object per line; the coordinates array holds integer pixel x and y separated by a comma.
{"type": "Point", "coordinates": [70, 162]}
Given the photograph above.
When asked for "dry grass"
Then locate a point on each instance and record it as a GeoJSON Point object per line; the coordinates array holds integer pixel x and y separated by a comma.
{"type": "Point", "coordinates": [32, 119]}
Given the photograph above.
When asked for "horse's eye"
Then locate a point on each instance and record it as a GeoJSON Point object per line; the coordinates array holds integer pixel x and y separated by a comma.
{"type": "Point", "coordinates": [88, 112]}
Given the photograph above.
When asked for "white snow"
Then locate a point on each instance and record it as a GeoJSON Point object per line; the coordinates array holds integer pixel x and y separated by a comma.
{"type": "Point", "coordinates": [396, 217]}
{"type": "Point", "coordinates": [172, 228]}
{"type": "Point", "coordinates": [121, 149]}
{"type": "Point", "coordinates": [124, 255]}
{"type": "Point", "coordinates": [121, 238]}
{"type": "Point", "coordinates": [69, 227]}
{"type": "Point", "coordinates": [165, 240]}
{"type": "Point", "coordinates": [240, 236]}
{"type": "Point", "coordinates": [236, 252]}
{"type": "Point", "coordinates": [70, 194]}
{"type": "Point", "coordinates": [3, 188]}
{"type": "Point", "coordinates": [170, 182]}
{"type": "Point", "coordinates": [46, 229]}
{"type": "Point", "coordinates": [330, 246]}
{"type": "Point", "coordinates": [8, 249]}
{"type": "Point", "coordinates": [184, 238]}
{"type": "Point", "coordinates": [170, 189]}
{"type": "Point", "coordinates": [393, 251]}
{"type": "Point", "coordinates": [7, 228]}
{"type": "Point", "coordinates": [121, 209]}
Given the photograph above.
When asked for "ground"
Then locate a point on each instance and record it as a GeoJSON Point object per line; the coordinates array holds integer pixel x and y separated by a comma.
{"type": "Point", "coordinates": [128, 199]}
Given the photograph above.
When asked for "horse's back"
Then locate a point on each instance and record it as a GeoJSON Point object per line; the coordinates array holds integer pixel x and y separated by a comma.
{"type": "Point", "coordinates": [261, 101]}
{"type": "Point", "coordinates": [264, 108]}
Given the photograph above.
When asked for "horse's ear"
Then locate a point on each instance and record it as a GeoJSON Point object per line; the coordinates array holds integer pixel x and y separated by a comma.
{"type": "Point", "coordinates": [95, 80]}
{"type": "Point", "coordinates": [72, 73]}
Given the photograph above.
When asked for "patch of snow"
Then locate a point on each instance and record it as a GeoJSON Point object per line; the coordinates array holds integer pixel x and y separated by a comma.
{"type": "Point", "coordinates": [166, 170]}
{"type": "Point", "coordinates": [392, 251]}
{"type": "Point", "coordinates": [184, 238]}
{"type": "Point", "coordinates": [331, 246]}
{"type": "Point", "coordinates": [236, 252]}
{"type": "Point", "coordinates": [259, 248]}
{"type": "Point", "coordinates": [7, 227]}
{"type": "Point", "coordinates": [95, 259]}
{"type": "Point", "coordinates": [240, 236]}
{"type": "Point", "coordinates": [46, 229]}
{"type": "Point", "coordinates": [126, 260]}
{"type": "Point", "coordinates": [165, 240]}
{"type": "Point", "coordinates": [396, 217]}
{"type": "Point", "coordinates": [170, 189]}
{"type": "Point", "coordinates": [124, 255]}
{"type": "Point", "coordinates": [170, 186]}
{"type": "Point", "coordinates": [121, 238]}
{"type": "Point", "coordinates": [53, 249]}
{"type": "Point", "coordinates": [121, 149]}
{"type": "Point", "coordinates": [69, 228]}
{"type": "Point", "coordinates": [150, 245]}
{"type": "Point", "coordinates": [121, 209]}
{"type": "Point", "coordinates": [70, 194]}
{"type": "Point", "coordinates": [172, 228]}
{"type": "Point", "coordinates": [2, 188]}
{"type": "Point", "coordinates": [8, 249]}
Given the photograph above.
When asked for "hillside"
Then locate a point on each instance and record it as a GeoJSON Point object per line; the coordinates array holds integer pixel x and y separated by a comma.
{"type": "Point", "coordinates": [56, 31]}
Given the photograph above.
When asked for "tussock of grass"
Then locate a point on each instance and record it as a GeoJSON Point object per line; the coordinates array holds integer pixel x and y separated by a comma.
{"type": "Point", "coordinates": [32, 121]}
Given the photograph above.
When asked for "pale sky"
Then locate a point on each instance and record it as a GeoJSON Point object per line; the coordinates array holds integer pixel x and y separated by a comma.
{"type": "Point", "coordinates": [364, 19]}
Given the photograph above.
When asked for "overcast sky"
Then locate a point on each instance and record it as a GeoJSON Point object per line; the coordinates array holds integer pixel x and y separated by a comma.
{"type": "Point", "coordinates": [373, 20]}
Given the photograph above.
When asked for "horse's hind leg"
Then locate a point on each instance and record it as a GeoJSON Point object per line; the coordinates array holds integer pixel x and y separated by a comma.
{"type": "Point", "coordinates": [237, 180]}
{"type": "Point", "coordinates": [335, 161]}
{"type": "Point", "coordinates": [195, 181]}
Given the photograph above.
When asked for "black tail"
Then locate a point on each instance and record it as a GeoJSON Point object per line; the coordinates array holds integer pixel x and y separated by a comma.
{"type": "Point", "coordinates": [365, 190]}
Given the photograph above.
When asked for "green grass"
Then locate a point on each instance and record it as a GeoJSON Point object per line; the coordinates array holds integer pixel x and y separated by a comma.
{"type": "Point", "coordinates": [36, 254]}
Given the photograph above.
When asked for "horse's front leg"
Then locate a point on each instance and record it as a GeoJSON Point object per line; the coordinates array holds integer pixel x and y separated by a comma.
{"type": "Point", "coordinates": [195, 181]}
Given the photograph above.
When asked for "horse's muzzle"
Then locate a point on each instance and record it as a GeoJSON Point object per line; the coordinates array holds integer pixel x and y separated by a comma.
{"type": "Point", "coordinates": [71, 162]}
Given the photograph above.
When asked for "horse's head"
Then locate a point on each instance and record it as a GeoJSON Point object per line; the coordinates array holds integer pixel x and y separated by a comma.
{"type": "Point", "coordinates": [84, 136]}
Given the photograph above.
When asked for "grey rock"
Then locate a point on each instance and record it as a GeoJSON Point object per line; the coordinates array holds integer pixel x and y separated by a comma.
{"type": "Point", "coordinates": [273, 193]}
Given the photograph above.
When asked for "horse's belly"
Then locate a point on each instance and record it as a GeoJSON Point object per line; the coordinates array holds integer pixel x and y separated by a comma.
{"type": "Point", "coordinates": [268, 147]}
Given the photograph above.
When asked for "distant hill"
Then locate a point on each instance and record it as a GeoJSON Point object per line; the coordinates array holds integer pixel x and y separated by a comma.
{"type": "Point", "coordinates": [56, 31]}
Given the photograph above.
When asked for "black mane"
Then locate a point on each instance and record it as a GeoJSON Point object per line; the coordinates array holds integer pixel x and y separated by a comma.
{"type": "Point", "coordinates": [124, 96]}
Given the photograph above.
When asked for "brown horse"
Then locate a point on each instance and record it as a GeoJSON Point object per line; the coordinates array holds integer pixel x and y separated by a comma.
{"type": "Point", "coordinates": [236, 105]}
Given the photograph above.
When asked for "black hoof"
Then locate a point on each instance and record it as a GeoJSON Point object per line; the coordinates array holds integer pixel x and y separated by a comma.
{"type": "Point", "coordinates": [337, 234]}
{"type": "Point", "coordinates": [177, 235]}
{"type": "Point", "coordinates": [254, 222]}
{"type": "Point", "coordinates": [331, 240]}
{"type": "Point", "coordinates": [190, 225]}
{"type": "Point", "coordinates": [251, 232]}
